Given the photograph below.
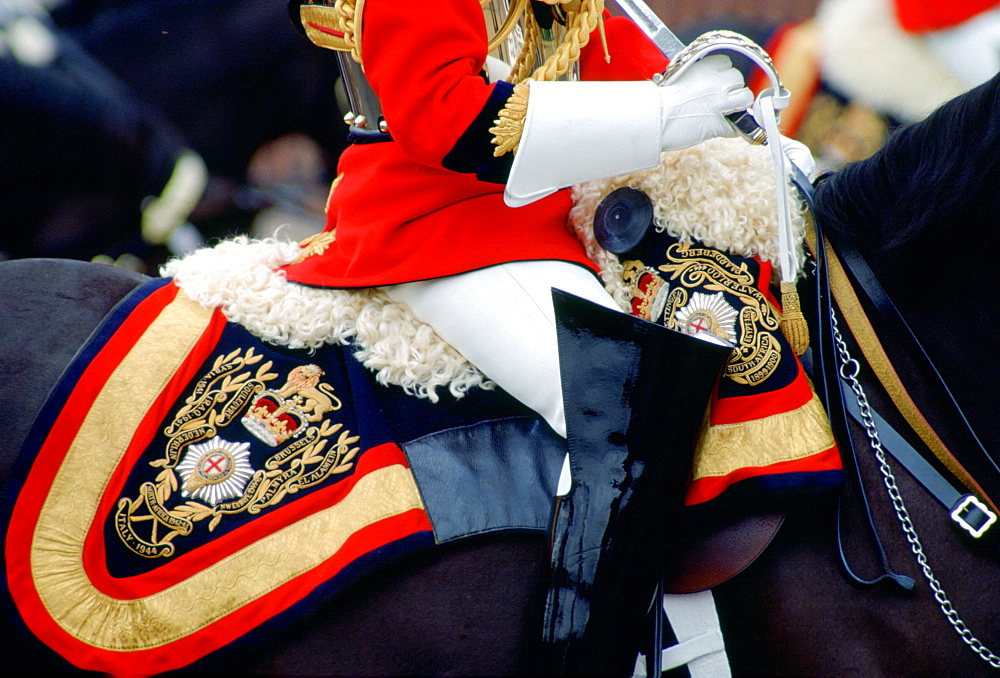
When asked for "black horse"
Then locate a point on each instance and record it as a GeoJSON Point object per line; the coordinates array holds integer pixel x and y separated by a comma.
{"type": "Point", "coordinates": [921, 212]}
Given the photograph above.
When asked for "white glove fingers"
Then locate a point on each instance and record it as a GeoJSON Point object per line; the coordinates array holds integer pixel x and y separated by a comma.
{"type": "Point", "coordinates": [718, 62]}
{"type": "Point", "coordinates": [739, 100]}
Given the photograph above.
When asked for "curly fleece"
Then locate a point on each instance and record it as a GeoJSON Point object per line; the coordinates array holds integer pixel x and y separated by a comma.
{"type": "Point", "coordinates": [693, 196]}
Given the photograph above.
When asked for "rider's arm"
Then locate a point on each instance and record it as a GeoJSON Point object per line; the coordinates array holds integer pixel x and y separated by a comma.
{"type": "Point", "coordinates": [425, 63]}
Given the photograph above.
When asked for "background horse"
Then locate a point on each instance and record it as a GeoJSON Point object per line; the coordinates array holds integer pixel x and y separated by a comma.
{"type": "Point", "coordinates": [922, 211]}
{"type": "Point", "coordinates": [109, 96]}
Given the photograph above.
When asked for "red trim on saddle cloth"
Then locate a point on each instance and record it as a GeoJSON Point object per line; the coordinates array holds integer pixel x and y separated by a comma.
{"type": "Point", "coordinates": [67, 425]}
{"type": "Point", "coordinates": [761, 412]}
{"type": "Point", "coordinates": [213, 552]}
{"type": "Point", "coordinates": [739, 410]}
{"type": "Point", "coordinates": [90, 577]}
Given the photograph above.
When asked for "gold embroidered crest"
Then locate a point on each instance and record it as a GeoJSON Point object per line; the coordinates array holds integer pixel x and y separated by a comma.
{"type": "Point", "coordinates": [215, 476]}
{"type": "Point", "coordinates": [682, 301]}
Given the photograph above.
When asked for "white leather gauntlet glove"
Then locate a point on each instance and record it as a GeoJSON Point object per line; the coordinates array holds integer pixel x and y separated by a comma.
{"type": "Point", "coordinates": [694, 105]}
{"type": "Point", "coordinates": [578, 131]}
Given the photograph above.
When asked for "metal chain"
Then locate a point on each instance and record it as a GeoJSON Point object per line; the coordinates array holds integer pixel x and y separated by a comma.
{"type": "Point", "coordinates": [849, 369]}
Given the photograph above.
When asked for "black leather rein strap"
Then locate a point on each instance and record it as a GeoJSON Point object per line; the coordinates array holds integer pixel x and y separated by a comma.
{"type": "Point", "coordinates": [893, 325]}
{"type": "Point", "coordinates": [964, 509]}
{"type": "Point", "coordinates": [821, 362]}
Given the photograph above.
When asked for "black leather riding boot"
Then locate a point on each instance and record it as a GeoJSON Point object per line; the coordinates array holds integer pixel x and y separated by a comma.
{"type": "Point", "coordinates": [636, 395]}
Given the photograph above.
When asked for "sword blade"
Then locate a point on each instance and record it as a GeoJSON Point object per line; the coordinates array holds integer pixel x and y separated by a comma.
{"type": "Point", "coordinates": [652, 26]}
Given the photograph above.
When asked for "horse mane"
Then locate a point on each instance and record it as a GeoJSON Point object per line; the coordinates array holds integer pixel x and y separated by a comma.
{"type": "Point", "coordinates": [930, 175]}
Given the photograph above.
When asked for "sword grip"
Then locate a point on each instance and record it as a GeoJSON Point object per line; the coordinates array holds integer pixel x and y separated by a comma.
{"type": "Point", "coordinates": [744, 123]}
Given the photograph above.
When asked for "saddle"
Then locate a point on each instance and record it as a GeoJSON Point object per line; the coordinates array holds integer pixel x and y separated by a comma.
{"type": "Point", "coordinates": [182, 404]}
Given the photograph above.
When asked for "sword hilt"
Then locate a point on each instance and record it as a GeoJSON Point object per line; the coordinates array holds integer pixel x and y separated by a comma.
{"type": "Point", "coordinates": [713, 41]}
{"type": "Point", "coordinates": [747, 126]}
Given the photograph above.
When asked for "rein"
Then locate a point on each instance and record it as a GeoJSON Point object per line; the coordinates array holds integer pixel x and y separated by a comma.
{"type": "Point", "coordinates": [973, 511]}
{"type": "Point", "coordinates": [822, 361]}
{"type": "Point", "coordinates": [966, 510]}
{"type": "Point", "coordinates": [850, 260]}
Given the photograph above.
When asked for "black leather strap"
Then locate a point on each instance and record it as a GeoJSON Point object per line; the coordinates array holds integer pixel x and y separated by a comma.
{"type": "Point", "coordinates": [964, 509]}
{"type": "Point", "coordinates": [821, 362]}
{"type": "Point", "coordinates": [895, 328]}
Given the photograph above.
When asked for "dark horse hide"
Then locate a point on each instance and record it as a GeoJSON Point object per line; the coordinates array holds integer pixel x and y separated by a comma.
{"type": "Point", "coordinates": [923, 212]}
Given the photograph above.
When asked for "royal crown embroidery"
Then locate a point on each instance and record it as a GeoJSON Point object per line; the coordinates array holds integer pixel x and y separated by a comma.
{"type": "Point", "coordinates": [206, 474]}
{"type": "Point", "coordinates": [689, 294]}
{"type": "Point", "coordinates": [277, 416]}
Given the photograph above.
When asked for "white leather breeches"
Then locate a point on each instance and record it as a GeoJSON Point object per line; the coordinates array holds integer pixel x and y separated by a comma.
{"type": "Point", "coordinates": [501, 319]}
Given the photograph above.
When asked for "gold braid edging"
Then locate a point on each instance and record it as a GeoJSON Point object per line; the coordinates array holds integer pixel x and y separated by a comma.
{"type": "Point", "coordinates": [507, 130]}
{"type": "Point", "coordinates": [521, 70]}
{"type": "Point", "coordinates": [350, 11]}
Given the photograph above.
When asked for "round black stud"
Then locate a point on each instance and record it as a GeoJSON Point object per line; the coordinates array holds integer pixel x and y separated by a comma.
{"type": "Point", "coordinates": [622, 220]}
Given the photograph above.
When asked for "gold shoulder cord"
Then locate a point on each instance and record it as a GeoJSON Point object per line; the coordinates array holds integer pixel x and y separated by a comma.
{"type": "Point", "coordinates": [863, 332]}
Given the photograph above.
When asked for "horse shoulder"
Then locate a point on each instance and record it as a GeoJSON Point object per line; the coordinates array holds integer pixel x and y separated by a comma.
{"type": "Point", "coordinates": [48, 308]}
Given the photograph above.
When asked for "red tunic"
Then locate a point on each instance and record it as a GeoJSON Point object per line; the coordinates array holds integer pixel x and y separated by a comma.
{"type": "Point", "coordinates": [399, 215]}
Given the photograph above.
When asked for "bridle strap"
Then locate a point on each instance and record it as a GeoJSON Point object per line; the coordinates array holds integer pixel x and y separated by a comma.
{"type": "Point", "coordinates": [821, 357]}
{"type": "Point", "coordinates": [871, 347]}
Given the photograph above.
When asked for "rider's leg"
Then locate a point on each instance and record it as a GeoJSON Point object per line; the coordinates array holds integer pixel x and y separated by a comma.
{"type": "Point", "coordinates": [501, 319]}
{"type": "Point", "coordinates": [637, 394]}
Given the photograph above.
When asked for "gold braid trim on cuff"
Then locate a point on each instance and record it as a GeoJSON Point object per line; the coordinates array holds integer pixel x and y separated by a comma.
{"type": "Point", "coordinates": [508, 127]}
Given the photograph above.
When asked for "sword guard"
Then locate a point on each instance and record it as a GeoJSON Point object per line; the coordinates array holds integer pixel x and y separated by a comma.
{"type": "Point", "coordinates": [715, 41]}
